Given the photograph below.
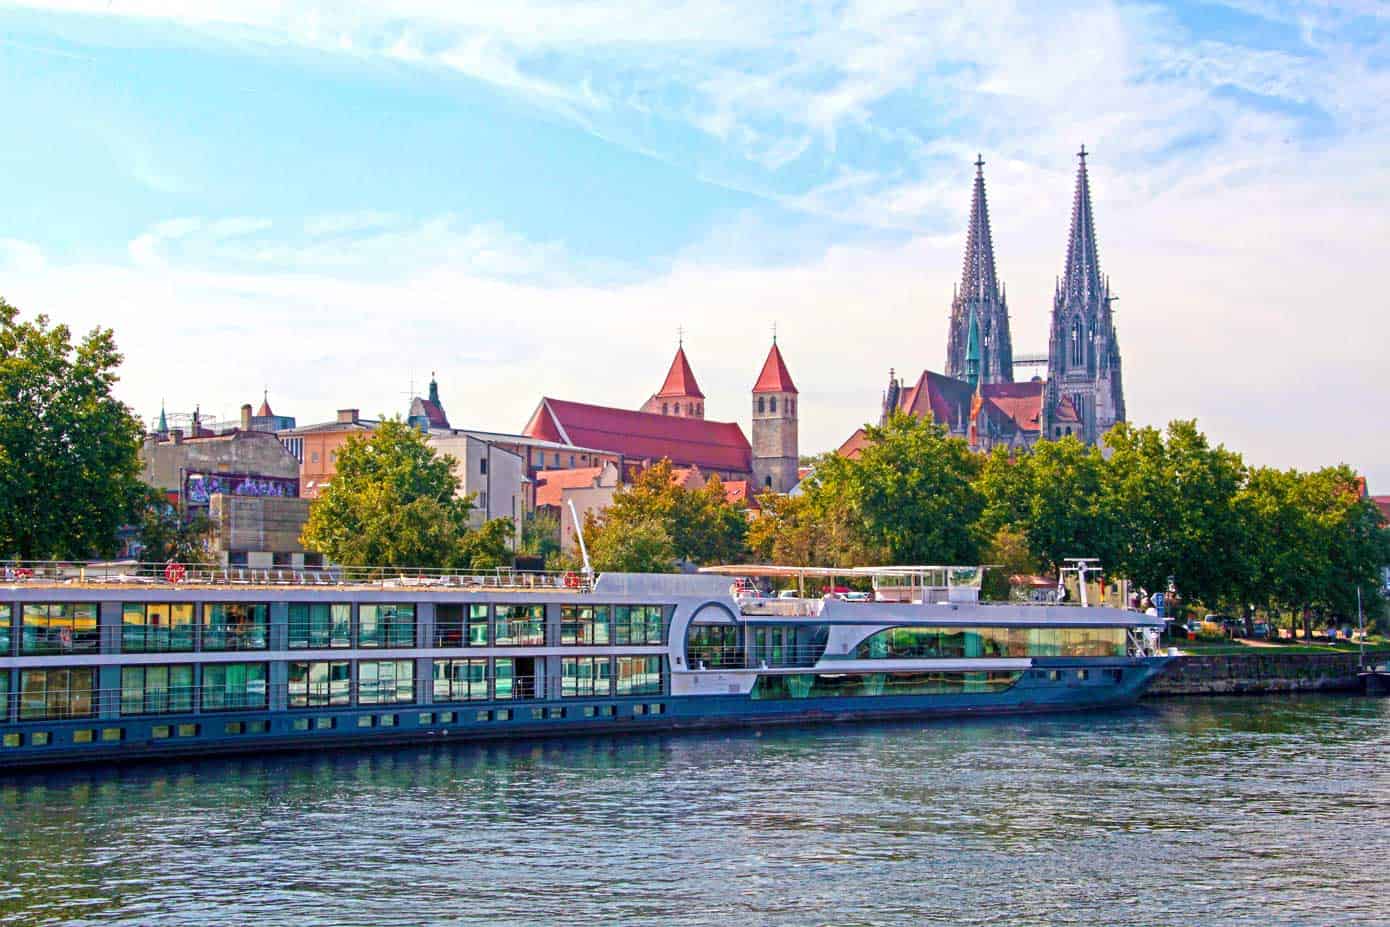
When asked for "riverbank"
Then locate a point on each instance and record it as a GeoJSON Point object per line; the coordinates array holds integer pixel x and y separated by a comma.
{"type": "Point", "coordinates": [1261, 671]}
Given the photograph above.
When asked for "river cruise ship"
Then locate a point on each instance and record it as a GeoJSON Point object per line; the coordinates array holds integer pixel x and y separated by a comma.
{"type": "Point", "coordinates": [103, 663]}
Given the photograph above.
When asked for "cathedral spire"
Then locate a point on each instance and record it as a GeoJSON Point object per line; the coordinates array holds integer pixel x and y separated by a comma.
{"type": "Point", "coordinates": [979, 348]}
{"type": "Point", "coordinates": [977, 279]}
{"type": "Point", "coordinates": [1082, 276]}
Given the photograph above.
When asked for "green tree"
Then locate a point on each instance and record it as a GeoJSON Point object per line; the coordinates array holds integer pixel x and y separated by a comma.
{"type": "Point", "coordinates": [1169, 501]}
{"type": "Point", "coordinates": [914, 489]}
{"type": "Point", "coordinates": [700, 524]}
{"type": "Point", "coordinates": [69, 451]}
{"type": "Point", "coordinates": [166, 533]}
{"type": "Point", "coordinates": [1008, 554]}
{"type": "Point", "coordinates": [1052, 495]}
{"type": "Point", "coordinates": [640, 546]}
{"type": "Point", "coordinates": [814, 528]}
{"type": "Point", "coordinates": [540, 534]}
{"type": "Point", "coordinates": [487, 547]}
{"type": "Point", "coordinates": [393, 503]}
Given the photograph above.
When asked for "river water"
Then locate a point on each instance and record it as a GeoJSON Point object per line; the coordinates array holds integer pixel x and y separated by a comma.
{"type": "Point", "coordinates": [1202, 811]}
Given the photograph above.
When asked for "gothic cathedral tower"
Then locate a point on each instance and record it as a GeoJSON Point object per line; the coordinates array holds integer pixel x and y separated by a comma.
{"type": "Point", "coordinates": [980, 349]}
{"type": "Point", "coordinates": [775, 457]}
{"type": "Point", "coordinates": [1085, 395]}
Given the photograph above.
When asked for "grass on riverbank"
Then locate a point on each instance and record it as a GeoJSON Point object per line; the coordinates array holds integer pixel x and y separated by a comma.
{"type": "Point", "coordinates": [1200, 647]}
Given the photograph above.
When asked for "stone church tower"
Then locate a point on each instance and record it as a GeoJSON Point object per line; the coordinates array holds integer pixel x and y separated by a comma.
{"type": "Point", "coordinates": [679, 393]}
{"type": "Point", "coordinates": [979, 349]}
{"type": "Point", "coordinates": [775, 455]}
{"type": "Point", "coordinates": [1084, 395]}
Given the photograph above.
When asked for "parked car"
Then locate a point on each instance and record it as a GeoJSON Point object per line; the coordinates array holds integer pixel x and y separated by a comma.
{"type": "Point", "coordinates": [788, 594]}
{"type": "Point", "coordinates": [857, 597]}
{"type": "Point", "coordinates": [1261, 631]}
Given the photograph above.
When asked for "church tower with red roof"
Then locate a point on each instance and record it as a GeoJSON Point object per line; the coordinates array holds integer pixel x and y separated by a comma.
{"type": "Point", "coordinates": [679, 394]}
{"type": "Point", "coordinates": [775, 455]}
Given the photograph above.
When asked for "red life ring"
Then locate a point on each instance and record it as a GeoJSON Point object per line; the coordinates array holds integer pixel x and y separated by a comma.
{"type": "Point", "coordinates": [571, 580]}
{"type": "Point", "coordinates": [175, 572]}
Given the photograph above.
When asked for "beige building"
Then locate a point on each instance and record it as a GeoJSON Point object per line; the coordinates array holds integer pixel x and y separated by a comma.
{"type": "Point", "coordinates": [493, 475]}
{"type": "Point", "coordinates": [591, 489]}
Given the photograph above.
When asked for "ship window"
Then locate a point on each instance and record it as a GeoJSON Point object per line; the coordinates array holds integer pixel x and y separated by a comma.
{"type": "Point", "coordinates": [40, 739]}
{"type": "Point", "coordinates": [386, 626]}
{"type": "Point", "coordinates": [156, 627]}
{"type": "Point", "coordinates": [235, 626]}
{"type": "Point", "coordinates": [637, 624]}
{"type": "Point", "coordinates": [59, 627]}
{"type": "Point", "coordinates": [320, 683]}
{"type": "Point", "coordinates": [842, 685]}
{"type": "Point", "coordinates": [713, 646]}
{"type": "Point", "coordinates": [320, 625]}
{"type": "Point", "coordinates": [14, 740]}
{"type": "Point", "coordinates": [585, 677]}
{"type": "Point", "coordinates": [520, 625]}
{"type": "Point", "coordinates": [57, 693]}
{"type": "Point", "coordinates": [149, 690]}
{"type": "Point", "coordinates": [639, 675]}
{"type": "Point", "coordinates": [584, 624]}
{"type": "Point", "coordinates": [460, 680]}
{"type": "Point", "coordinates": [230, 686]}
{"type": "Point", "coordinates": [385, 682]}
{"type": "Point", "coordinates": [514, 678]}
{"type": "Point", "coordinates": [955, 643]}
{"type": "Point", "coordinates": [4, 695]}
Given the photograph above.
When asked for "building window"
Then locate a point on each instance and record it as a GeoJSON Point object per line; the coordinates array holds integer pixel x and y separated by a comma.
{"type": "Point", "coordinates": [386, 626]}
{"type": "Point", "coordinates": [235, 626]}
{"type": "Point", "coordinates": [772, 404]}
{"type": "Point", "coordinates": [320, 625]}
{"type": "Point", "coordinates": [233, 686]}
{"type": "Point", "coordinates": [557, 460]}
{"type": "Point", "coordinates": [1077, 353]}
{"type": "Point", "coordinates": [482, 501]}
{"type": "Point", "coordinates": [664, 409]}
{"type": "Point", "coordinates": [460, 680]}
{"type": "Point", "coordinates": [59, 627]}
{"type": "Point", "coordinates": [699, 408]}
{"type": "Point", "coordinates": [482, 465]}
{"type": "Point", "coordinates": [520, 625]}
{"type": "Point", "coordinates": [639, 675]}
{"type": "Point", "coordinates": [55, 694]}
{"type": "Point", "coordinates": [762, 404]}
{"type": "Point", "coordinates": [385, 682]}
{"type": "Point", "coordinates": [637, 624]}
{"type": "Point", "coordinates": [585, 677]}
{"type": "Point", "coordinates": [156, 690]}
{"type": "Point", "coordinates": [584, 624]}
{"type": "Point", "coordinates": [320, 684]}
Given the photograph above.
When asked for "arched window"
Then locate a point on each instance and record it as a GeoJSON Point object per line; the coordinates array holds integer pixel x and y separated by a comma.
{"type": "Point", "coordinates": [1068, 430]}
{"type": "Point", "coordinates": [762, 406]}
{"type": "Point", "coordinates": [791, 406]}
{"type": "Point", "coordinates": [1076, 350]}
{"type": "Point", "coordinates": [699, 408]}
{"type": "Point", "coordinates": [767, 481]}
{"type": "Point", "coordinates": [690, 408]}
{"type": "Point", "coordinates": [665, 409]}
{"type": "Point", "coordinates": [772, 404]}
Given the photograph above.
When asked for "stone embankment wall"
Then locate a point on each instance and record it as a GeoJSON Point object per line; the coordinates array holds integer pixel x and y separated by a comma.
{"type": "Point", "coordinates": [1260, 672]}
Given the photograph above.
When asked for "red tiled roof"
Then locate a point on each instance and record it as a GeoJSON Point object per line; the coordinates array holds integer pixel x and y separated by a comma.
{"type": "Point", "coordinates": [1382, 503]}
{"type": "Point", "coordinates": [1020, 402]}
{"type": "Point", "coordinates": [854, 444]}
{"type": "Point", "coordinates": [680, 379]}
{"type": "Point", "coordinates": [551, 484]}
{"type": "Point", "coordinates": [643, 436]}
{"type": "Point", "coordinates": [774, 377]}
{"type": "Point", "coordinates": [433, 412]}
{"type": "Point", "coordinates": [681, 476]}
{"type": "Point", "coordinates": [739, 492]}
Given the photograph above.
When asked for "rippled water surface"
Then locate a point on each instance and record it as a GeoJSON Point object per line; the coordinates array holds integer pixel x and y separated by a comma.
{"type": "Point", "coordinates": [1204, 811]}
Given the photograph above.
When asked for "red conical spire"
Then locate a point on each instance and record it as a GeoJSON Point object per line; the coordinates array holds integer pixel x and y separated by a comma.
{"type": "Point", "coordinates": [680, 379]}
{"type": "Point", "coordinates": [774, 377]}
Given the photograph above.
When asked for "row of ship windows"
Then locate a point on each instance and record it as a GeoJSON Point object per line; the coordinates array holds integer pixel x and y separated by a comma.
{"type": "Point", "coordinates": [70, 692]}
{"type": "Point", "coordinates": [926, 643]}
{"type": "Point", "coordinates": [262, 726]}
{"type": "Point", "coordinates": [150, 627]}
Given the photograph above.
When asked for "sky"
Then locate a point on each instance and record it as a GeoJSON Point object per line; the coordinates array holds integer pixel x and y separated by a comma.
{"type": "Point", "coordinates": [333, 201]}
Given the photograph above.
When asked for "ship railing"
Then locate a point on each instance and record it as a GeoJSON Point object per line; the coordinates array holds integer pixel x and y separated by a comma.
{"type": "Point", "coordinates": [781, 608]}
{"type": "Point", "coordinates": [176, 574]}
{"type": "Point", "coordinates": [721, 658]}
{"type": "Point", "coordinates": [100, 705]}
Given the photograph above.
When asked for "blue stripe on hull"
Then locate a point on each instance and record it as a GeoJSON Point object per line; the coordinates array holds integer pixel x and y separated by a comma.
{"type": "Point", "coordinates": [1034, 693]}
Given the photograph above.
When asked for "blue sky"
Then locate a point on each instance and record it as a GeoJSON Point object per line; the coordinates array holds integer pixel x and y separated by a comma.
{"type": "Point", "coordinates": [332, 201]}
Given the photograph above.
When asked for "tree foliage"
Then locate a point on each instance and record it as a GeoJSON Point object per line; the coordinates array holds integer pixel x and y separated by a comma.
{"type": "Point", "coordinates": [395, 502]}
{"type": "Point", "coordinates": [69, 451]}
{"type": "Point", "coordinates": [166, 533]}
{"type": "Point", "coordinates": [700, 525]}
{"type": "Point", "coordinates": [634, 546]}
{"type": "Point", "coordinates": [913, 490]}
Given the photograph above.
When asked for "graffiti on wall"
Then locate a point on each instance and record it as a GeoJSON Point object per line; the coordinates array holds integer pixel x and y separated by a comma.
{"type": "Point", "coordinates": [198, 488]}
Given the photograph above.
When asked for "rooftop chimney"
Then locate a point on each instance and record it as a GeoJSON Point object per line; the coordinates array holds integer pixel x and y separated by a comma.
{"type": "Point", "coordinates": [246, 416]}
{"type": "Point", "coordinates": [347, 416]}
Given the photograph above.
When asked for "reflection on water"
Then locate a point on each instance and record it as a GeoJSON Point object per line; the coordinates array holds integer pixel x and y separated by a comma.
{"type": "Point", "coordinates": [1212, 811]}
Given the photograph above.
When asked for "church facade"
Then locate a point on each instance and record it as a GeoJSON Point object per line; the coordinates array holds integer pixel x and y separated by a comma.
{"type": "Point", "coordinates": [977, 398]}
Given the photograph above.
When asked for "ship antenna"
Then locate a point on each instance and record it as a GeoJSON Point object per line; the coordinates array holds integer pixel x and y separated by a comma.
{"type": "Point", "coordinates": [583, 550]}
